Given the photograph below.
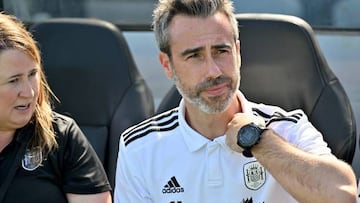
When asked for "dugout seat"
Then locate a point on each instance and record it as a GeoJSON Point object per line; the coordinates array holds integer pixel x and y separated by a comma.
{"type": "Point", "coordinates": [283, 65]}
{"type": "Point", "coordinates": [91, 70]}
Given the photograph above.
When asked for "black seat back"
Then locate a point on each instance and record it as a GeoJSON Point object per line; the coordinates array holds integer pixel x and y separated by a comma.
{"type": "Point", "coordinates": [91, 70]}
{"type": "Point", "coordinates": [283, 65]}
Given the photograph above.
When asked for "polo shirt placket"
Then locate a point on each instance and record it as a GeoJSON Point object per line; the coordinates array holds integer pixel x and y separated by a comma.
{"type": "Point", "coordinates": [214, 172]}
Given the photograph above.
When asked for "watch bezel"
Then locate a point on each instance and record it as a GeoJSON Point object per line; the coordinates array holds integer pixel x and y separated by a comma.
{"type": "Point", "coordinates": [252, 133]}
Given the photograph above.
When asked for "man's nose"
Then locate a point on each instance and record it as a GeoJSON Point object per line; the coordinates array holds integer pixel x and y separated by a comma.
{"type": "Point", "coordinates": [213, 68]}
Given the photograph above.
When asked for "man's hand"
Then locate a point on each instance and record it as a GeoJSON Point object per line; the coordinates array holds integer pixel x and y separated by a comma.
{"type": "Point", "coordinates": [239, 120]}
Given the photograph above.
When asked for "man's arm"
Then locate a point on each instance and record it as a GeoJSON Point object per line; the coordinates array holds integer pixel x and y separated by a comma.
{"type": "Point", "coordinates": [104, 197]}
{"type": "Point", "coordinates": [307, 177]}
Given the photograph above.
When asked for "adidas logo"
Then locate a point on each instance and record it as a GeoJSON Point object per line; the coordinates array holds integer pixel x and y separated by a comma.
{"type": "Point", "coordinates": [172, 186]}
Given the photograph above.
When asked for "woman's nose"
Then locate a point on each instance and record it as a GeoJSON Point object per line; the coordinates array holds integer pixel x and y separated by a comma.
{"type": "Point", "coordinates": [27, 89]}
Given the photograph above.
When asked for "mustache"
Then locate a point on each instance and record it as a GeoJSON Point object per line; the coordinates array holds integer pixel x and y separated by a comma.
{"type": "Point", "coordinates": [213, 82]}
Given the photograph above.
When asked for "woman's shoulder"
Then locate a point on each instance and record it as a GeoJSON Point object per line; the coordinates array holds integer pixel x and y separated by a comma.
{"type": "Point", "coordinates": [65, 126]}
{"type": "Point", "coordinates": [62, 118]}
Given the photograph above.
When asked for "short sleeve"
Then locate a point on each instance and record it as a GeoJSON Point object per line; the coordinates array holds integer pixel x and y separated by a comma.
{"type": "Point", "coordinates": [297, 129]}
{"type": "Point", "coordinates": [128, 184]}
{"type": "Point", "coordinates": [82, 171]}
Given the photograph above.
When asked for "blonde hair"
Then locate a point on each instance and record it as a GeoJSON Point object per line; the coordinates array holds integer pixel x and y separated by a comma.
{"type": "Point", "coordinates": [13, 35]}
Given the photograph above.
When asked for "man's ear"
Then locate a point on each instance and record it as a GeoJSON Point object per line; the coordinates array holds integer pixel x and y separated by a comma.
{"type": "Point", "coordinates": [166, 64]}
{"type": "Point", "coordinates": [238, 52]}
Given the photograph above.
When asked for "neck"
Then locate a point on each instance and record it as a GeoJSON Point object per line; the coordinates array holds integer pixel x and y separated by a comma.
{"type": "Point", "coordinates": [211, 126]}
{"type": "Point", "coordinates": [5, 138]}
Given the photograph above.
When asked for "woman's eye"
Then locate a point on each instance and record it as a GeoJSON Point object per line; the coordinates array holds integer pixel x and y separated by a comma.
{"type": "Point", "coordinates": [14, 80]}
{"type": "Point", "coordinates": [33, 73]}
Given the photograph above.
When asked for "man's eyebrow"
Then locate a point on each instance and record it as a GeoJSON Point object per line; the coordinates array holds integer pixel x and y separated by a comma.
{"type": "Point", "coordinates": [193, 50]}
{"type": "Point", "coordinates": [197, 49]}
{"type": "Point", "coordinates": [221, 46]}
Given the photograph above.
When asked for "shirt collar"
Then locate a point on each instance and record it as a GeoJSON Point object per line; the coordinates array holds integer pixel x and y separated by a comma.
{"type": "Point", "coordinates": [23, 134]}
{"type": "Point", "coordinates": [195, 140]}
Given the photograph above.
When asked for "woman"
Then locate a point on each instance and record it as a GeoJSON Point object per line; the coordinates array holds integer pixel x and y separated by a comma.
{"type": "Point", "coordinates": [44, 156]}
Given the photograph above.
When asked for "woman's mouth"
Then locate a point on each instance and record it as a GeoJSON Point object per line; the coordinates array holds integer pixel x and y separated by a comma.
{"type": "Point", "coordinates": [23, 107]}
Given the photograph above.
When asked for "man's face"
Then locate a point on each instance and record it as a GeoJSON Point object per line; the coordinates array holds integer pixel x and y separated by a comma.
{"type": "Point", "coordinates": [205, 61]}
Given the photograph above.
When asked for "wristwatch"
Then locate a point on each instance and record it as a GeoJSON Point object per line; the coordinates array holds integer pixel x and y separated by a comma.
{"type": "Point", "coordinates": [248, 136]}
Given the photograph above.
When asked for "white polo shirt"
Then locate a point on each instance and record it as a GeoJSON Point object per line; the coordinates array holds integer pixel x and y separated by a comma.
{"type": "Point", "coordinates": [164, 160]}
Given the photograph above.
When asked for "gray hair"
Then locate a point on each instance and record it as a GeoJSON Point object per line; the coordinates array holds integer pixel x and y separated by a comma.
{"type": "Point", "coordinates": [167, 9]}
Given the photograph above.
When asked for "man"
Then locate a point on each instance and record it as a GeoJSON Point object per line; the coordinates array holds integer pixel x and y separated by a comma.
{"type": "Point", "coordinates": [192, 153]}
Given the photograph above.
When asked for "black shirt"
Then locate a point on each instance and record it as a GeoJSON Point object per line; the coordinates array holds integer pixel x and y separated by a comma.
{"type": "Point", "coordinates": [71, 168]}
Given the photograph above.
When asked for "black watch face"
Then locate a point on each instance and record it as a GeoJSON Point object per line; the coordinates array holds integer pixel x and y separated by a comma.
{"type": "Point", "coordinates": [248, 136]}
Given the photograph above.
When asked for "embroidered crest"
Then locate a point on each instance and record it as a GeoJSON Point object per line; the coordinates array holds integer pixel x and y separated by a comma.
{"type": "Point", "coordinates": [32, 159]}
{"type": "Point", "coordinates": [254, 175]}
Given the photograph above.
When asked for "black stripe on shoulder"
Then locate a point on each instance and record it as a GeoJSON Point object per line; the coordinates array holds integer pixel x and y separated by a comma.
{"type": "Point", "coordinates": [296, 116]}
{"type": "Point", "coordinates": [261, 113]}
{"type": "Point", "coordinates": [166, 118]}
{"type": "Point", "coordinates": [150, 125]}
{"type": "Point", "coordinates": [156, 123]}
{"type": "Point", "coordinates": [133, 138]}
{"type": "Point", "coordinates": [280, 119]}
{"type": "Point", "coordinates": [277, 116]}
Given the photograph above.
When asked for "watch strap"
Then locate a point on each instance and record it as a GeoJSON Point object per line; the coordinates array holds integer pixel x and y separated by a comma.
{"type": "Point", "coordinates": [247, 151]}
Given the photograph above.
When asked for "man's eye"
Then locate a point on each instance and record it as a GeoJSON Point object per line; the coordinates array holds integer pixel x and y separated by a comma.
{"type": "Point", "coordinates": [192, 56]}
{"type": "Point", "coordinates": [221, 51]}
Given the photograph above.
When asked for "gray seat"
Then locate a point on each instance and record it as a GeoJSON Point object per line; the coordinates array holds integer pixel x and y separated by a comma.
{"type": "Point", "coordinates": [283, 65]}
{"type": "Point", "coordinates": [91, 70]}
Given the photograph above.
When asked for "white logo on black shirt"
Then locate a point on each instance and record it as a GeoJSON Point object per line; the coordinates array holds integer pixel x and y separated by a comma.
{"type": "Point", "coordinates": [32, 159]}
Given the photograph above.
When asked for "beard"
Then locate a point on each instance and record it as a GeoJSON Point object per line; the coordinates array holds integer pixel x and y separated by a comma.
{"type": "Point", "coordinates": [210, 105]}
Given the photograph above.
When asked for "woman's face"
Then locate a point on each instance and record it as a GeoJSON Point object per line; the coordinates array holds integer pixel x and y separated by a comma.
{"type": "Point", "coordinates": [19, 89]}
